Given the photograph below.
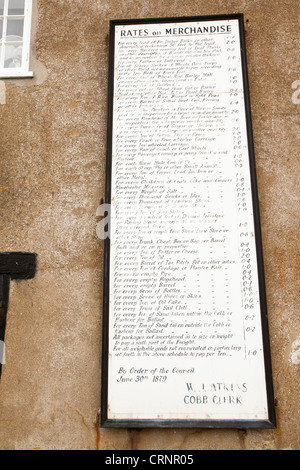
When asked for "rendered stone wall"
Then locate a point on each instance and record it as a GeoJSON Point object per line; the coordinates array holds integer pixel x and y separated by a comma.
{"type": "Point", "coordinates": [52, 174]}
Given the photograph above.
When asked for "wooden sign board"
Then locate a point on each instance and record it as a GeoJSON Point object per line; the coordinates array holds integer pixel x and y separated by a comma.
{"type": "Point", "coordinates": [185, 335]}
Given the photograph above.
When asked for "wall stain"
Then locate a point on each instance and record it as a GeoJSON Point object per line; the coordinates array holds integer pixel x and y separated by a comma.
{"type": "Point", "coordinates": [134, 436]}
{"type": "Point", "coordinates": [78, 413]}
{"type": "Point", "coordinates": [242, 434]}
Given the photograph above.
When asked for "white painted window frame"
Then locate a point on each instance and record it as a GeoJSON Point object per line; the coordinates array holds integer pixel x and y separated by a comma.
{"type": "Point", "coordinates": [22, 72]}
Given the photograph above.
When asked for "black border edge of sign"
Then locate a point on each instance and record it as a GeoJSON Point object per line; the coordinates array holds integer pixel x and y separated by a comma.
{"type": "Point", "coordinates": [105, 422]}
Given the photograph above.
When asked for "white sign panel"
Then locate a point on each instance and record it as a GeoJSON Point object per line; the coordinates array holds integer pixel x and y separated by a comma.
{"type": "Point", "coordinates": [185, 340]}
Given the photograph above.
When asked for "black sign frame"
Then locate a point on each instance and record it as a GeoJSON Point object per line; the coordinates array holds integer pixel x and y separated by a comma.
{"type": "Point", "coordinates": [106, 422]}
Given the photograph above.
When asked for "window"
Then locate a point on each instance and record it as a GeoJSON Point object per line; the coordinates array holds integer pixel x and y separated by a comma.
{"type": "Point", "coordinates": [15, 25]}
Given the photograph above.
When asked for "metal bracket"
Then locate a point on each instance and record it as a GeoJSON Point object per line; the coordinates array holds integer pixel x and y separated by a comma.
{"type": "Point", "coordinates": [13, 266]}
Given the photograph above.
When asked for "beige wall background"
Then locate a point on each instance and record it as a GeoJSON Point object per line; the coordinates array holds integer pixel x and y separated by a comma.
{"type": "Point", "coordinates": [52, 174]}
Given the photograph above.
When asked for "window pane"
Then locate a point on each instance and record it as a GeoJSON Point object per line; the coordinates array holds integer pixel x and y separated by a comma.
{"type": "Point", "coordinates": [13, 56]}
{"type": "Point", "coordinates": [1, 28]}
{"type": "Point", "coordinates": [16, 7]}
{"type": "Point", "coordinates": [1, 6]}
{"type": "Point", "coordinates": [14, 30]}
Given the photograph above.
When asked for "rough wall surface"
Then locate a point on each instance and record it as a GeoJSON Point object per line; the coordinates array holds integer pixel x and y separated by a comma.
{"type": "Point", "coordinates": [52, 173]}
